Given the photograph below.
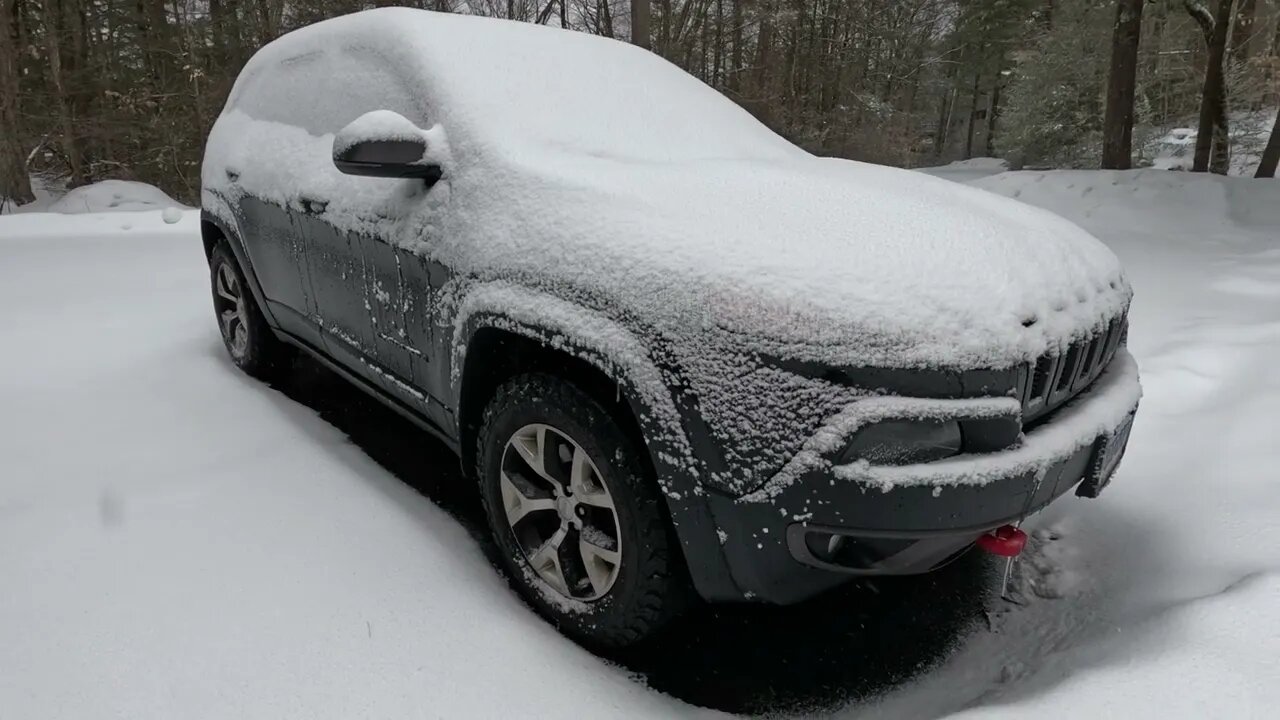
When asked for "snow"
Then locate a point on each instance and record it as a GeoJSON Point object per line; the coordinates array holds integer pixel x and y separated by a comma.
{"type": "Point", "coordinates": [383, 125]}
{"type": "Point", "coordinates": [673, 202]}
{"type": "Point", "coordinates": [966, 170]}
{"type": "Point", "coordinates": [386, 125]}
{"type": "Point", "coordinates": [105, 196]}
{"type": "Point", "coordinates": [1169, 605]}
{"type": "Point", "coordinates": [1174, 149]}
{"type": "Point", "coordinates": [1106, 404]}
{"type": "Point", "coordinates": [181, 541]}
{"type": "Point", "coordinates": [1099, 411]}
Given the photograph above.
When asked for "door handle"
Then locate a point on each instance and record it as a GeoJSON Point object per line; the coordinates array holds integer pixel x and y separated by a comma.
{"type": "Point", "coordinates": [313, 205]}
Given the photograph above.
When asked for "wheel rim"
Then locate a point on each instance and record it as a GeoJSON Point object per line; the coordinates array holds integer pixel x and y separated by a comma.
{"type": "Point", "coordinates": [560, 512]}
{"type": "Point", "coordinates": [228, 300]}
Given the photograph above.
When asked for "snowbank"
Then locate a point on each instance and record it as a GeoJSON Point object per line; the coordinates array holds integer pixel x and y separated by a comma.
{"type": "Point", "coordinates": [966, 170]}
{"type": "Point", "coordinates": [105, 196]}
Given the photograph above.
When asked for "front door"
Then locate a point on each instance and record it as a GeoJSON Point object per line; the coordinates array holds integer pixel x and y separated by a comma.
{"type": "Point", "coordinates": [338, 278]}
{"type": "Point", "coordinates": [278, 257]}
{"type": "Point", "coordinates": [385, 298]}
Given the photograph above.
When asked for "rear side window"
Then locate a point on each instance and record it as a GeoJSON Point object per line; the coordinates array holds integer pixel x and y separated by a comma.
{"type": "Point", "coordinates": [322, 91]}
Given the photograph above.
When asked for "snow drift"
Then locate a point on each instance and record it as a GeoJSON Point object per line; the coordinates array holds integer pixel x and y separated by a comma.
{"type": "Point", "coordinates": [102, 197]}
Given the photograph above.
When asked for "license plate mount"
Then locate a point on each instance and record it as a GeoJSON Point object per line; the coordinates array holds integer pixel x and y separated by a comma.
{"type": "Point", "coordinates": [1107, 453]}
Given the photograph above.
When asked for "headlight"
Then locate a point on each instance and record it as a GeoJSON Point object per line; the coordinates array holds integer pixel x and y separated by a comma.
{"type": "Point", "coordinates": [904, 442]}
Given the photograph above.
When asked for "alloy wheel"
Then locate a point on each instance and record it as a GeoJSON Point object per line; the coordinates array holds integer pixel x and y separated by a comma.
{"type": "Point", "coordinates": [560, 512]}
{"type": "Point", "coordinates": [232, 314]}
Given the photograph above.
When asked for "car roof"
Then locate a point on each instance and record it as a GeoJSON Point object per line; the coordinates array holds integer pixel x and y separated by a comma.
{"type": "Point", "coordinates": [519, 87]}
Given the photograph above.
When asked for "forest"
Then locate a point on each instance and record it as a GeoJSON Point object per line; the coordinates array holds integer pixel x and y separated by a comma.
{"type": "Point", "coordinates": [96, 89]}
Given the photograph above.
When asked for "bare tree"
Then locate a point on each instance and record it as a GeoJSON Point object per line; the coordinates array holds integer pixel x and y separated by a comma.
{"type": "Point", "coordinates": [1271, 155]}
{"type": "Point", "coordinates": [1212, 141]}
{"type": "Point", "coordinates": [640, 23]}
{"type": "Point", "coordinates": [1117, 125]}
{"type": "Point", "coordinates": [128, 88]}
{"type": "Point", "coordinates": [14, 183]}
{"type": "Point", "coordinates": [1242, 30]}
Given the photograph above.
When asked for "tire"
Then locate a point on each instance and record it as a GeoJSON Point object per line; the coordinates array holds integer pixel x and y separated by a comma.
{"type": "Point", "coordinates": [597, 603]}
{"type": "Point", "coordinates": [250, 342]}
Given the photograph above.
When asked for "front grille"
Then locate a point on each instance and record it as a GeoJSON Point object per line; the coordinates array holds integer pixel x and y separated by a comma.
{"type": "Point", "coordinates": [1054, 379]}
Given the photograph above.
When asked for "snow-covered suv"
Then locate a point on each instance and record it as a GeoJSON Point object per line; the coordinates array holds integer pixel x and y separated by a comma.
{"type": "Point", "coordinates": [678, 354]}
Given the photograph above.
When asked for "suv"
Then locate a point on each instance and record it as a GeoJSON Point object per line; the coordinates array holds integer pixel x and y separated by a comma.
{"type": "Point", "coordinates": [680, 356]}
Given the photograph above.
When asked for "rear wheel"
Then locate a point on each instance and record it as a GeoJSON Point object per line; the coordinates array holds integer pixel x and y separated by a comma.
{"type": "Point", "coordinates": [252, 345]}
{"type": "Point", "coordinates": [576, 514]}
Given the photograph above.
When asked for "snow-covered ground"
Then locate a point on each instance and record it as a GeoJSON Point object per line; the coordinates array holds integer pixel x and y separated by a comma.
{"type": "Point", "coordinates": [965, 171]}
{"type": "Point", "coordinates": [177, 540]}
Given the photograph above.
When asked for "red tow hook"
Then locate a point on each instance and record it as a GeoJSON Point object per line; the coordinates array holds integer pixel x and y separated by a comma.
{"type": "Point", "coordinates": [1005, 541]}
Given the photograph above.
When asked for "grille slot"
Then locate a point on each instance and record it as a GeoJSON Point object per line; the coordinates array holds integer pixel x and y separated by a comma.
{"type": "Point", "coordinates": [1041, 374]}
{"type": "Point", "coordinates": [1054, 379]}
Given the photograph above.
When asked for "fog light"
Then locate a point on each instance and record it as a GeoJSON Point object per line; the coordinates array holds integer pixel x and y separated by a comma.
{"type": "Point", "coordinates": [904, 442]}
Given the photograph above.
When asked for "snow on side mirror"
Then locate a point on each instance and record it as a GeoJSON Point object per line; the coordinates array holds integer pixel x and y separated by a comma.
{"type": "Point", "coordinates": [385, 144]}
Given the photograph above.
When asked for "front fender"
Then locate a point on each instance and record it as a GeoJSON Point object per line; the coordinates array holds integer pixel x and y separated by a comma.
{"type": "Point", "coordinates": [224, 225]}
{"type": "Point", "coordinates": [617, 352]}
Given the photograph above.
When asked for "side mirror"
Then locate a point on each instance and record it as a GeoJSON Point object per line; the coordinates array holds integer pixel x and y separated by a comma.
{"type": "Point", "coordinates": [384, 144]}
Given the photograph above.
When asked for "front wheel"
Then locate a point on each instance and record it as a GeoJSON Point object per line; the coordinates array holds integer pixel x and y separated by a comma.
{"type": "Point", "coordinates": [252, 345]}
{"type": "Point", "coordinates": [576, 515]}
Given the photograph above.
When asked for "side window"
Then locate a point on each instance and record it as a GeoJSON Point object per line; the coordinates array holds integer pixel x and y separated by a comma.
{"type": "Point", "coordinates": [322, 91]}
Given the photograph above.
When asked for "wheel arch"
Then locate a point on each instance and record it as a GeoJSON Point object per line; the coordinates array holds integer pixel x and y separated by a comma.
{"type": "Point", "coordinates": [608, 362]}
{"type": "Point", "coordinates": [212, 230]}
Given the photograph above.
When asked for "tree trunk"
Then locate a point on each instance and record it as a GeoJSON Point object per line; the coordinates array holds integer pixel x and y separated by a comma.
{"type": "Point", "coordinates": [1242, 30]}
{"type": "Point", "coordinates": [15, 185]}
{"type": "Point", "coordinates": [992, 111]}
{"type": "Point", "coordinates": [1271, 155]}
{"type": "Point", "coordinates": [53, 35]}
{"type": "Point", "coordinates": [735, 60]}
{"type": "Point", "coordinates": [1212, 150]}
{"type": "Point", "coordinates": [1117, 125]}
{"type": "Point", "coordinates": [640, 23]}
{"type": "Point", "coordinates": [973, 116]}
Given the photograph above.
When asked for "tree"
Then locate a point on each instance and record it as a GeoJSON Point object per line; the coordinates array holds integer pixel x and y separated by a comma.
{"type": "Point", "coordinates": [1271, 155]}
{"type": "Point", "coordinates": [1117, 126]}
{"type": "Point", "coordinates": [1212, 142]}
{"type": "Point", "coordinates": [640, 23]}
{"type": "Point", "coordinates": [1242, 30]}
{"type": "Point", "coordinates": [14, 183]}
{"type": "Point", "coordinates": [1054, 108]}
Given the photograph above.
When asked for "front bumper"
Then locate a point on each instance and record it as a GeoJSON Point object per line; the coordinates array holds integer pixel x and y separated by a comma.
{"type": "Point", "coordinates": [907, 519]}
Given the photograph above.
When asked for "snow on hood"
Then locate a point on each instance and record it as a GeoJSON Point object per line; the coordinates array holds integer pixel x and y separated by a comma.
{"type": "Point", "coordinates": [818, 259]}
{"type": "Point", "coordinates": [656, 198]}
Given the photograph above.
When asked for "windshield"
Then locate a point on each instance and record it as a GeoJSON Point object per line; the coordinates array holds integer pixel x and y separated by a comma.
{"type": "Point", "coordinates": [506, 82]}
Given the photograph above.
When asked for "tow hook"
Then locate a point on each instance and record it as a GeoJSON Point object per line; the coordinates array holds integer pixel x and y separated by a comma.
{"type": "Point", "coordinates": [1007, 541]}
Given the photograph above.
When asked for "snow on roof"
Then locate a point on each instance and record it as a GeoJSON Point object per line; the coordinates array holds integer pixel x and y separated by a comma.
{"type": "Point", "coordinates": [501, 84]}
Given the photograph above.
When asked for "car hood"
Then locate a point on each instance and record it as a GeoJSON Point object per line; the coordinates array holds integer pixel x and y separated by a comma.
{"type": "Point", "coordinates": [808, 258]}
